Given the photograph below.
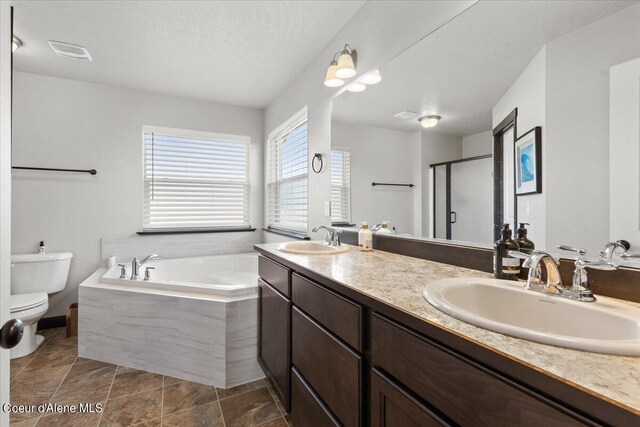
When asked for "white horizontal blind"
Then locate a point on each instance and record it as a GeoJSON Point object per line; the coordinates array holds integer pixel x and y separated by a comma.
{"type": "Point", "coordinates": [195, 182]}
{"type": "Point", "coordinates": [340, 185]}
{"type": "Point", "coordinates": [287, 178]}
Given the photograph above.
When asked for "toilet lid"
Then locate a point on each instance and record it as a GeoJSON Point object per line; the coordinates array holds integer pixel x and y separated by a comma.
{"type": "Point", "coordinates": [27, 301]}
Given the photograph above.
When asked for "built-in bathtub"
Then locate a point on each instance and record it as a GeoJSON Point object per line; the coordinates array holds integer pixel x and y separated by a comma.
{"type": "Point", "coordinates": [196, 319]}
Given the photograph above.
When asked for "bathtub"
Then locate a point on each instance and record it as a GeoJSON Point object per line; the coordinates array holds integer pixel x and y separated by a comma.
{"type": "Point", "coordinates": [196, 319]}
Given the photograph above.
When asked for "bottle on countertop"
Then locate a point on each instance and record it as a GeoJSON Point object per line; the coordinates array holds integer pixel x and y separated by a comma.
{"type": "Point", "coordinates": [526, 245]}
{"type": "Point", "coordinates": [384, 229]}
{"type": "Point", "coordinates": [41, 248]}
{"type": "Point", "coordinates": [365, 238]}
{"type": "Point", "coordinates": [504, 265]}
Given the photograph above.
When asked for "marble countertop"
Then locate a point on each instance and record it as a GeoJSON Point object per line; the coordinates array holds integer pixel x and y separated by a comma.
{"type": "Point", "coordinates": [398, 281]}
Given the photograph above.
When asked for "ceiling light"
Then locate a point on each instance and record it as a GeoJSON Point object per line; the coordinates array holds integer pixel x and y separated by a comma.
{"type": "Point", "coordinates": [356, 87]}
{"type": "Point", "coordinates": [346, 63]}
{"type": "Point", "coordinates": [429, 121]}
{"type": "Point", "coordinates": [405, 115]}
{"type": "Point", "coordinates": [69, 50]}
{"type": "Point", "coordinates": [331, 80]}
{"type": "Point", "coordinates": [16, 43]}
{"type": "Point", "coordinates": [371, 78]}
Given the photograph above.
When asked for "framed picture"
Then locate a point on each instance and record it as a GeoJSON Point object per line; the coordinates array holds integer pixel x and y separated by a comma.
{"type": "Point", "coordinates": [528, 161]}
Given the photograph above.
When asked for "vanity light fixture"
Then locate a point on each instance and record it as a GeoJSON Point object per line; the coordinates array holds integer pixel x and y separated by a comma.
{"type": "Point", "coordinates": [347, 62]}
{"type": "Point", "coordinates": [429, 121]}
{"type": "Point", "coordinates": [331, 80]}
{"type": "Point", "coordinates": [15, 44]}
{"type": "Point", "coordinates": [371, 78]}
{"type": "Point", "coordinates": [356, 87]}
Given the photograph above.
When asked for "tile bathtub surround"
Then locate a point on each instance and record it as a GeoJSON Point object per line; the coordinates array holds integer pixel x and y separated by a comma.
{"type": "Point", "coordinates": [190, 336]}
{"type": "Point", "coordinates": [132, 397]}
{"type": "Point", "coordinates": [398, 281]}
{"type": "Point", "coordinates": [178, 245]}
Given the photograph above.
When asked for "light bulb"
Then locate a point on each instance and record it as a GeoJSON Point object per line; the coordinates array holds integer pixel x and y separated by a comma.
{"type": "Point", "coordinates": [429, 121]}
{"type": "Point", "coordinates": [346, 69]}
{"type": "Point", "coordinates": [371, 78]}
{"type": "Point", "coordinates": [331, 80]}
{"type": "Point", "coordinates": [356, 87]}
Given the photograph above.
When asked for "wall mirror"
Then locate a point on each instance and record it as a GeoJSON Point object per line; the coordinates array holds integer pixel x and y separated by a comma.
{"type": "Point", "coordinates": [539, 106]}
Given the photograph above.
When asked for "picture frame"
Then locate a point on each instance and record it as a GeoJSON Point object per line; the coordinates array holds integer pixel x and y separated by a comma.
{"type": "Point", "coordinates": [528, 162]}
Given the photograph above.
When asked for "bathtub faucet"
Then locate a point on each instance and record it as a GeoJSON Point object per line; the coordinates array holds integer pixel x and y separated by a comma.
{"type": "Point", "coordinates": [136, 264]}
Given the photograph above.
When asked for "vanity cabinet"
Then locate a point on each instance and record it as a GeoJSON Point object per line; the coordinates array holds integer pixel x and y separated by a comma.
{"type": "Point", "coordinates": [339, 359]}
{"type": "Point", "coordinates": [274, 347]}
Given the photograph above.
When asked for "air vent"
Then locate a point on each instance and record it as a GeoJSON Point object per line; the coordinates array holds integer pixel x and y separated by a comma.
{"type": "Point", "coordinates": [405, 115]}
{"type": "Point", "coordinates": [70, 50]}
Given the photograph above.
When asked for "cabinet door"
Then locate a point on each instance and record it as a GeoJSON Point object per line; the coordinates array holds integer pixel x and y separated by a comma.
{"type": "Point", "coordinates": [393, 407]}
{"type": "Point", "coordinates": [275, 342]}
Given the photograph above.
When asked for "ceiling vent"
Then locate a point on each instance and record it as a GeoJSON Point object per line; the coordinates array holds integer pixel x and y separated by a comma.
{"type": "Point", "coordinates": [405, 115]}
{"type": "Point", "coordinates": [70, 50]}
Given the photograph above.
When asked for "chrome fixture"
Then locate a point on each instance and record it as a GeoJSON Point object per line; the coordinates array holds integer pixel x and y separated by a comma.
{"type": "Point", "coordinates": [606, 254]}
{"type": "Point", "coordinates": [332, 237]}
{"type": "Point", "coordinates": [376, 228]}
{"type": "Point", "coordinates": [16, 44]}
{"type": "Point", "coordinates": [579, 290]}
{"type": "Point", "coordinates": [429, 121]}
{"type": "Point", "coordinates": [123, 271]}
{"type": "Point", "coordinates": [136, 264]}
{"type": "Point", "coordinates": [147, 273]}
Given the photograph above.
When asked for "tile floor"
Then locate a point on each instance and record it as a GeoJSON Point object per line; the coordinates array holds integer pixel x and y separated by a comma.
{"type": "Point", "coordinates": [130, 397]}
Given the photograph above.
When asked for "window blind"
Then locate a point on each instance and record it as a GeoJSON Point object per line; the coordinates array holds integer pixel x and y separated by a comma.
{"type": "Point", "coordinates": [287, 178]}
{"type": "Point", "coordinates": [340, 186]}
{"type": "Point", "coordinates": [195, 182]}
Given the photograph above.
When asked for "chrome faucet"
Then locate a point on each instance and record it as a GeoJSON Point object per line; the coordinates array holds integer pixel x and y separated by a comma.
{"type": "Point", "coordinates": [332, 237]}
{"type": "Point", "coordinates": [606, 254]}
{"type": "Point", "coordinates": [136, 264]}
{"type": "Point", "coordinates": [579, 290]}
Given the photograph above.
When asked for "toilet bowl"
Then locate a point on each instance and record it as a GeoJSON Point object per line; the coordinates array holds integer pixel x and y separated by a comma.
{"type": "Point", "coordinates": [33, 277]}
{"type": "Point", "coordinates": [29, 308]}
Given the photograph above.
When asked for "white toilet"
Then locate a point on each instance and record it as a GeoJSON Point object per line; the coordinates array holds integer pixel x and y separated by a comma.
{"type": "Point", "coordinates": [33, 277]}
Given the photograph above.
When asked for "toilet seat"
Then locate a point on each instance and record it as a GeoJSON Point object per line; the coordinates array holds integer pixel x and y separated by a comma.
{"type": "Point", "coordinates": [24, 302]}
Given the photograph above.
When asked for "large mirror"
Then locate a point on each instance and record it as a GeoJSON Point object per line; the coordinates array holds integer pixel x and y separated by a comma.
{"type": "Point", "coordinates": [539, 120]}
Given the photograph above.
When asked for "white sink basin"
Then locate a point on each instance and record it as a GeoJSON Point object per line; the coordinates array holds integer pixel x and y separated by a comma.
{"type": "Point", "coordinates": [311, 247]}
{"type": "Point", "coordinates": [605, 326]}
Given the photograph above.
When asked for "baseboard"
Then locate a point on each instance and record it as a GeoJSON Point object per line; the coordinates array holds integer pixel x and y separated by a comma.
{"type": "Point", "coordinates": [52, 322]}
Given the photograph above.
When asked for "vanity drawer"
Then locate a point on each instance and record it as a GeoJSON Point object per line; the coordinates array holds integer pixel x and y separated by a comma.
{"type": "Point", "coordinates": [331, 368]}
{"type": "Point", "coordinates": [464, 391]}
{"type": "Point", "coordinates": [337, 314]}
{"type": "Point", "coordinates": [275, 274]}
{"type": "Point", "coordinates": [306, 408]}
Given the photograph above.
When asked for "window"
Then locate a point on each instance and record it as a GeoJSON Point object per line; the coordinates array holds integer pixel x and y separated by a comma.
{"type": "Point", "coordinates": [340, 186]}
{"type": "Point", "coordinates": [287, 176]}
{"type": "Point", "coordinates": [195, 180]}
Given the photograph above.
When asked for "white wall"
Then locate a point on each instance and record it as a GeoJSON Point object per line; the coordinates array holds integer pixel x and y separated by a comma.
{"type": "Point", "coordinates": [382, 155]}
{"type": "Point", "coordinates": [435, 148]}
{"type": "Point", "coordinates": [577, 119]}
{"type": "Point", "coordinates": [72, 124]}
{"type": "Point", "coordinates": [527, 94]}
{"type": "Point", "coordinates": [378, 31]}
{"type": "Point", "coordinates": [5, 193]}
{"type": "Point", "coordinates": [477, 144]}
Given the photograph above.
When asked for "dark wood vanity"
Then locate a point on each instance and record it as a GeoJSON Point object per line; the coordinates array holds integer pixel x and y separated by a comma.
{"type": "Point", "coordinates": [337, 357]}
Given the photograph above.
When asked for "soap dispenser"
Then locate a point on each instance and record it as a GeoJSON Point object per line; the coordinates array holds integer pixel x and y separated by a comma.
{"type": "Point", "coordinates": [504, 265]}
{"type": "Point", "coordinates": [526, 245]}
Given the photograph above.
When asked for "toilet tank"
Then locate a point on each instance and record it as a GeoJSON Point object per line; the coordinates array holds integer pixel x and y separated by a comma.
{"type": "Point", "coordinates": [39, 272]}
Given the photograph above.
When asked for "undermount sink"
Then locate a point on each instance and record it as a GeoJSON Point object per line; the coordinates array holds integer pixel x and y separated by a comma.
{"type": "Point", "coordinates": [605, 326]}
{"type": "Point", "coordinates": [311, 247]}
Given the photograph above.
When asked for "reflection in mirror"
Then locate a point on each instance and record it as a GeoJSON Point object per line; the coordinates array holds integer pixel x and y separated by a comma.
{"type": "Point", "coordinates": [526, 92]}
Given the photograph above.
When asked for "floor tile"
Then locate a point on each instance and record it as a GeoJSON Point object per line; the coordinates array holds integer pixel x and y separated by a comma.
{"type": "Point", "coordinates": [278, 422]}
{"type": "Point", "coordinates": [130, 381]}
{"type": "Point", "coordinates": [207, 415]}
{"type": "Point", "coordinates": [223, 393]}
{"type": "Point", "coordinates": [87, 371]}
{"type": "Point", "coordinates": [52, 356]}
{"type": "Point", "coordinates": [30, 382]}
{"type": "Point", "coordinates": [153, 423]}
{"type": "Point", "coordinates": [92, 391]}
{"type": "Point", "coordinates": [172, 380]}
{"type": "Point", "coordinates": [186, 395]}
{"type": "Point", "coordinates": [18, 364]}
{"type": "Point", "coordinates": [69, 420]}
{"type": "Point", "coordinates": [24, 423]}
{"type": "Point", "coordinates": [27, 399]}
{"type": "Point", "coordinates": [249, 409]}
{"type": "Point", "coordinates": [133, 409]}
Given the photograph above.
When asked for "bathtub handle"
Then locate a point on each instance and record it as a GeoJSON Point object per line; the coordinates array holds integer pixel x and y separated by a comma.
{"type": "Point", "coordinates": [147, 274]}
{"type": "Point", "coordinates": [123, 271]}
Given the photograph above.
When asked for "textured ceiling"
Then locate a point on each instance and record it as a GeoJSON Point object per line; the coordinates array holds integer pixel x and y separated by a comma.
{"type": "Point", "coordinates": [234, 52]}
{"type": "Point", "coordinates": [461, 71]}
